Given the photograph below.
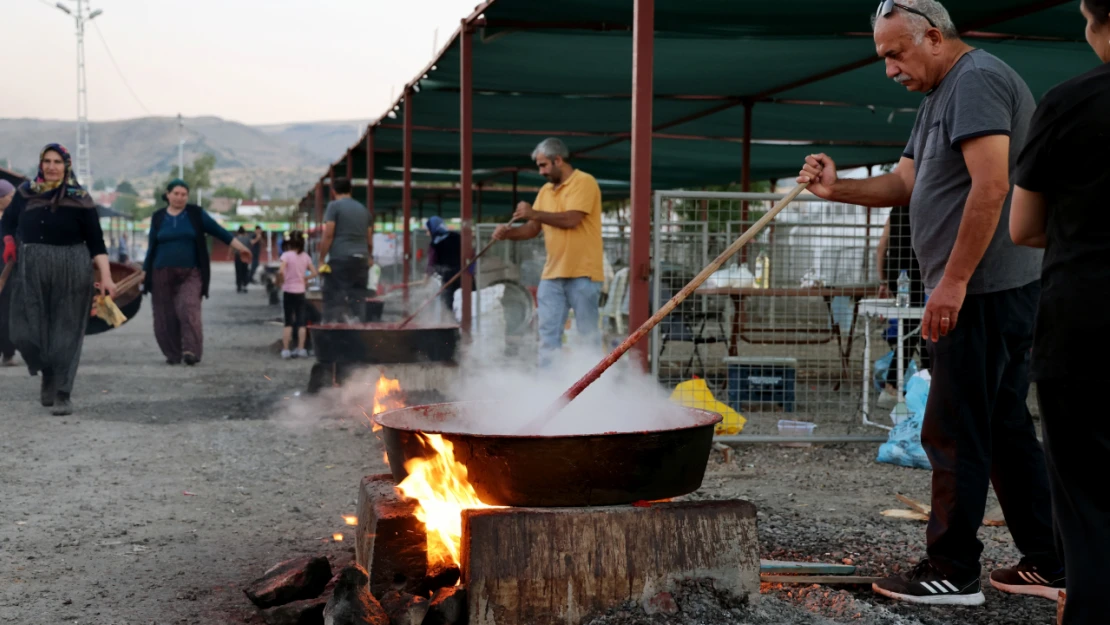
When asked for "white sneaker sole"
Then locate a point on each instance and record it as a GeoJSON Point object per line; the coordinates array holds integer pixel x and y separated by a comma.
{"type": "Point", "coordinates": [976, 599]}
{"type": "Point", "coordinates": [1045, 592]}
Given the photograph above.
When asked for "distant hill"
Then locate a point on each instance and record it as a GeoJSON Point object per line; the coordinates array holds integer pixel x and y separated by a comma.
{"type": "Point", "coordinates": [326, 140]}
{"type": "Point", "coordinates": [145, 147]}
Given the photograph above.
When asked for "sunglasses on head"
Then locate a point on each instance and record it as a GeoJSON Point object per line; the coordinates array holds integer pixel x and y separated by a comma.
{"type": "Point", "coordinates": [886, 7]}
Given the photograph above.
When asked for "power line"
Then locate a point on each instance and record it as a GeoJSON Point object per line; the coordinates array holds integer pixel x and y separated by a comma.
{"type": "Point", "coordinates": [112, 58]}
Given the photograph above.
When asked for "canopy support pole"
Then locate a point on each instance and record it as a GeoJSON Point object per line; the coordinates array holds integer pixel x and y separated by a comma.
{"type": "Point", "coordinates": [643, 34]}
{"type": "Point", "coordinates": [746, 174]}
{"type": "Point", "coordinates": [406, 202]}
{"type": "Point", "coordinates": [466, 165]}
{"type": "Point", "coordinates": [515, 195]}
{"type": "Point", "coordinates": [370, 178]}
{"type": "Point", "coordinates": [331, 182]}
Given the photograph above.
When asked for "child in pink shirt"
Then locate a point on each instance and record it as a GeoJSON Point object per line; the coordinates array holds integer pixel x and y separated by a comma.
{"type": "Point", "coordinates": [295, 263]}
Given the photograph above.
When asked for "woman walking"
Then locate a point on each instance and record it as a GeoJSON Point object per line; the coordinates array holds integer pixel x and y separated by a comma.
{"type": "Point", "coordinates": [58, 230]}
{"type": "Point", "coordinates": [178, 272]}
{"type": "Point", "coordinates": [445, 259]}
{"type": "Point", "coordinates": [1060, 205]}
{"type": "Point", "coordinates": [294, 265]}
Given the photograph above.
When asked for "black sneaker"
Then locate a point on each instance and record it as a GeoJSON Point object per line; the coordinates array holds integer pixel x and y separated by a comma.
{"type": "Point", "coordinates": [190, 358]}
{"type": "Point", "coordinates": [1027, 579]}
{"type": "Point", "coordinates": [63, 406]}
{"type": "Point", "coordinates": [46, 390]}
{"type": "Point", "coordinates": [926, 585]}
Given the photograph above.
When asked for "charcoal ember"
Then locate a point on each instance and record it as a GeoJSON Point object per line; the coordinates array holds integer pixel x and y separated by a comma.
{"type": "Point", "coordinates": [304, 612]}
{"type": "Point", "coordinates": [447, 607]}
{"type": "Point", "coordinates": [662, 603]}
{"type": "Point", "coordinates": [289, 581]}
{"type": "Point", "coordinates": [351, 602]}
{"type": "Point", "coordinates": [437, 578]}
{"type": "Point", "coordinates": [403, 608]}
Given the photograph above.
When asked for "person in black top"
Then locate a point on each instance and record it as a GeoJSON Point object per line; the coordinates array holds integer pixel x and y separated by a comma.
{"type": "Point", "coordinates": [445, 258]}
{"type": "Point", "coordinates": [1061, 188]}
{"type": "Point", "coordinates": [58, 230]}
{"type": "Point", "coordinates": [256, 252]}
{"type": "Point", "coordinates": [895, 255]}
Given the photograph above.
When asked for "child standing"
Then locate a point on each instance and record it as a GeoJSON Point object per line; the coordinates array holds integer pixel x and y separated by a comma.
{"type": "Point", "coordinates": [295, 263]}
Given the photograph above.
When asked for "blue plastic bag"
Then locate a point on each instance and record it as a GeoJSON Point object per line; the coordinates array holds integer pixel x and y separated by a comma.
{"type": "Point", "coordinates": [903, 447]}
{"type": "Point", "coordinates": [883, 365]}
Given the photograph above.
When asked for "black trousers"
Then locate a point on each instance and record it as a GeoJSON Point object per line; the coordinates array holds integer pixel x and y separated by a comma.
{"type": "Point", "coordinates": [345, 290]}
{"type": "Point", "coordinates": [1077, 444]}
{"type": "Point", "coordinates": [978, 432]}
{"type": "Point", "coordinates": [242, 271]}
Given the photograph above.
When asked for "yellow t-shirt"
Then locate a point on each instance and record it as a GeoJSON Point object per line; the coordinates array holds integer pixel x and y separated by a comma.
{"type": "Point", "coordinates": [574, 253]}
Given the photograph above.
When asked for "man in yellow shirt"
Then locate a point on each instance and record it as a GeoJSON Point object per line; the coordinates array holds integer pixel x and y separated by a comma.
{"type": "Point", "coordinates": [568, 213]}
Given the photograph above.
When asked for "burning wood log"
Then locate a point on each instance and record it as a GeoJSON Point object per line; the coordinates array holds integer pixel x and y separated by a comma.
{"type": "Point", "coordinates": [448, 607]}
{"type": "Point", "coordinates": [351, 602]}
{"type": "Point", "coordinates": [404, 609]}
{"type": "Point", "coordinates": [289, 581]}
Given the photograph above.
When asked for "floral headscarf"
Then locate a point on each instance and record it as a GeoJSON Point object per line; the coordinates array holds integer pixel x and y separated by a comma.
{"type": "Point", "coordinates": [68, 192]}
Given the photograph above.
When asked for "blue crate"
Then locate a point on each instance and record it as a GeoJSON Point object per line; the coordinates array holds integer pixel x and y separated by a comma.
{"type": "Point", "coordinates": [761, 380]}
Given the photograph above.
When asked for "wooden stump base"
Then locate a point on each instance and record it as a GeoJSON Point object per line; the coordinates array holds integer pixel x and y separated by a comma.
{"type": "Point", "coordinates": [560, 566]}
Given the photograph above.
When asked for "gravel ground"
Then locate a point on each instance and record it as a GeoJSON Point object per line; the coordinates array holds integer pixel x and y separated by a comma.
{"type": "Point", "coordinates": [171, 488]}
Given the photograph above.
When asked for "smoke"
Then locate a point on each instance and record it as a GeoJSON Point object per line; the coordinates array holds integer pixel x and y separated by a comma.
{"type": "Point", "coordinates": [349, 405]}
{"type": "Point", "coordinates": [514, 390]}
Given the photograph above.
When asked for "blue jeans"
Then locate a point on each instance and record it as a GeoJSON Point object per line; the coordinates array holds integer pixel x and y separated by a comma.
{"type": "Point", "coordinates": [555, 299]}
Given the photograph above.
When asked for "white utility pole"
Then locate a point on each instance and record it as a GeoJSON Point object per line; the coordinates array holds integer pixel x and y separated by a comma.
{"type": "Point", "coordinates": [180, 147]}
{"type": "Point", "coordinates": [83, 164]}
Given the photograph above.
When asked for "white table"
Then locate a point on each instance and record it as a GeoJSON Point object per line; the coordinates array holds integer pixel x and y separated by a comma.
{"type": "Point", "coordinates": [871, 309]}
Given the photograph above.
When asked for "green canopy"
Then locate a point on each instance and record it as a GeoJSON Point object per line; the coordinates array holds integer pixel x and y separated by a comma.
{"type": "Point", "coordinates": [807, 68]}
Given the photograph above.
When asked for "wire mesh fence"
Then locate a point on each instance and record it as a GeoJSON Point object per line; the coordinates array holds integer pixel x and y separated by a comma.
{"type": "Point", "coordinates": [777, 334]}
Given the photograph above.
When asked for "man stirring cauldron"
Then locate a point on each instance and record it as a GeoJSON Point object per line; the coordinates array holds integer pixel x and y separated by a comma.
{"type": "Point", "coordinates": [568, 213]}
{"type": "Point", "coordinates": [983, 290]}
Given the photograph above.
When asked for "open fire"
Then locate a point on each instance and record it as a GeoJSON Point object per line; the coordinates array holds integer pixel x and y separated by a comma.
{"type": "Point", "coordinates": [437, 483]}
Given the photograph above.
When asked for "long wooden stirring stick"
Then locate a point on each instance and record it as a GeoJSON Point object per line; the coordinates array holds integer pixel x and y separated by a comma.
{"type": "Point", "coordinates": [537, 424]}
{"type": "Point", "coordinates": [443, 288]}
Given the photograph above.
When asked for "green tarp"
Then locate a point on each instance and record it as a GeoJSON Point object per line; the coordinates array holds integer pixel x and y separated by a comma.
{"type": "Point", "coordinates": [564, 69]}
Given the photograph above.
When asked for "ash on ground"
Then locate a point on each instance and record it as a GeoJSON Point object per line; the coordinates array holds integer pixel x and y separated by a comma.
{"type": "Point", "coordinates": [698, 602]}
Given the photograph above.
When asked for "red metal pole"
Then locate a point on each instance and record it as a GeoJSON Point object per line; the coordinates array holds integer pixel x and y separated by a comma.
{"type": "Point", "coordinates": [370, 175]}
{"type": "Point", "coordinates": [643, 40]}
{"type": "Point", "coordinates": [514, 189]}
{"type": "Point", "coordinates": [350, 164]}
{"type": "Point", "coordinates": [466, 161]}
{"type": "Point", "coordinates": [331, 182]}
{"type": "Point", "coordinates": [746, 173]}
{"type": "Point", "coordinates": [406, 198]}
{"type": "Point", "coordinates": [318, 214]}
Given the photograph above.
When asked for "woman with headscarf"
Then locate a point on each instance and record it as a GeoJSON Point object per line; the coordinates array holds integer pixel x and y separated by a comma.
{"type": "Point", "coordinates": [7, 348]}
{"type": "Point", "coordinates": [445, 258]}
{"type": "Point", "coordinates": [1060, 190]}
{"type": "Point", "coordinates": [178, 272]}
{"type": "Point", "coordinates": [58, 230]}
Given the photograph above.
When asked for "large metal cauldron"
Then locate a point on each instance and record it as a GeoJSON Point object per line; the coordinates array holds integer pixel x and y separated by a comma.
{"type": "Point", "coordinates": [558, 471]}
{"type": "Point", "coordinates": [384, 343]}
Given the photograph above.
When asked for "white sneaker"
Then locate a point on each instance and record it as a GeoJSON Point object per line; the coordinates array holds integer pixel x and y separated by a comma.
{"type": "Point", "coordinates": [286, 354]}
{"type": "Point", "coordinates": [301, 353]}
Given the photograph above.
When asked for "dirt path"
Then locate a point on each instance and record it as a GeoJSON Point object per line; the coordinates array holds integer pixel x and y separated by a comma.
{"type": "Point", "coordinates": [96, 528]}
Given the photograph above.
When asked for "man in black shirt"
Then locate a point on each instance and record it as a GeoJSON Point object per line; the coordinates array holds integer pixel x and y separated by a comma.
{"type": "Point", "coordinates": [1062, 185]}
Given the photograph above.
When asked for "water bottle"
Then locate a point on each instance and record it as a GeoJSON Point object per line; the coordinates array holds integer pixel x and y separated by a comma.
{"type": "Point", "coordinates": [903, 300]}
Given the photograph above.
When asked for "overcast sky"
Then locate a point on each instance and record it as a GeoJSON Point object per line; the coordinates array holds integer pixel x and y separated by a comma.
{"type": "Point", "coordinates": [253, 61]}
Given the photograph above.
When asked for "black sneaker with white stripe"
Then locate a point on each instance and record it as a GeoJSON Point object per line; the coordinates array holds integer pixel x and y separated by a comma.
{"type": "Point", "coordinates": [926, 585]}
{"type": "Point", "coordinates": [1028, 579]}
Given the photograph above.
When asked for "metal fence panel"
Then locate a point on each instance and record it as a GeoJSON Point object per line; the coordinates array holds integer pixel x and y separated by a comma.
{"type": "Point", "coordinates": [775, 335]}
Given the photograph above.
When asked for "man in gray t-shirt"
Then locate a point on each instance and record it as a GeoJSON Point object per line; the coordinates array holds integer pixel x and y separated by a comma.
{"type": "Point", "coordinates": [982, 292]}
{"type": "Point", "coordinates": [347, 246]}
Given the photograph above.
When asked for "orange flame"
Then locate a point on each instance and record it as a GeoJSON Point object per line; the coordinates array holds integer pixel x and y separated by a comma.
{"type": "Point", "coordinates": [337, 537]}
{"type": "Point", "coordinates": [350, 519]}
{"type": "Point", "coordinates": [440, 487]}
{"type": "Point", "coordinates": [387, 396]}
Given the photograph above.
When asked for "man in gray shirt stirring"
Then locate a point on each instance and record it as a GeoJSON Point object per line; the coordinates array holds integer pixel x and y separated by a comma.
{"type": "Point", "coordinates": [982, 293]}
{"type": "Point", "coordinates": [348, 247]}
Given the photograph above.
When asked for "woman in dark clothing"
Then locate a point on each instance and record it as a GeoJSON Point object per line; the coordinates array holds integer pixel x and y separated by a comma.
{"type": "Point", "coordinates": [58, 230]}
{"type": "Point", "coordinates": [445, 258]}
{"type": "Point", "coordinates": [1059, 204]}
{"type": "Point", "coordinates": [178, 273]}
